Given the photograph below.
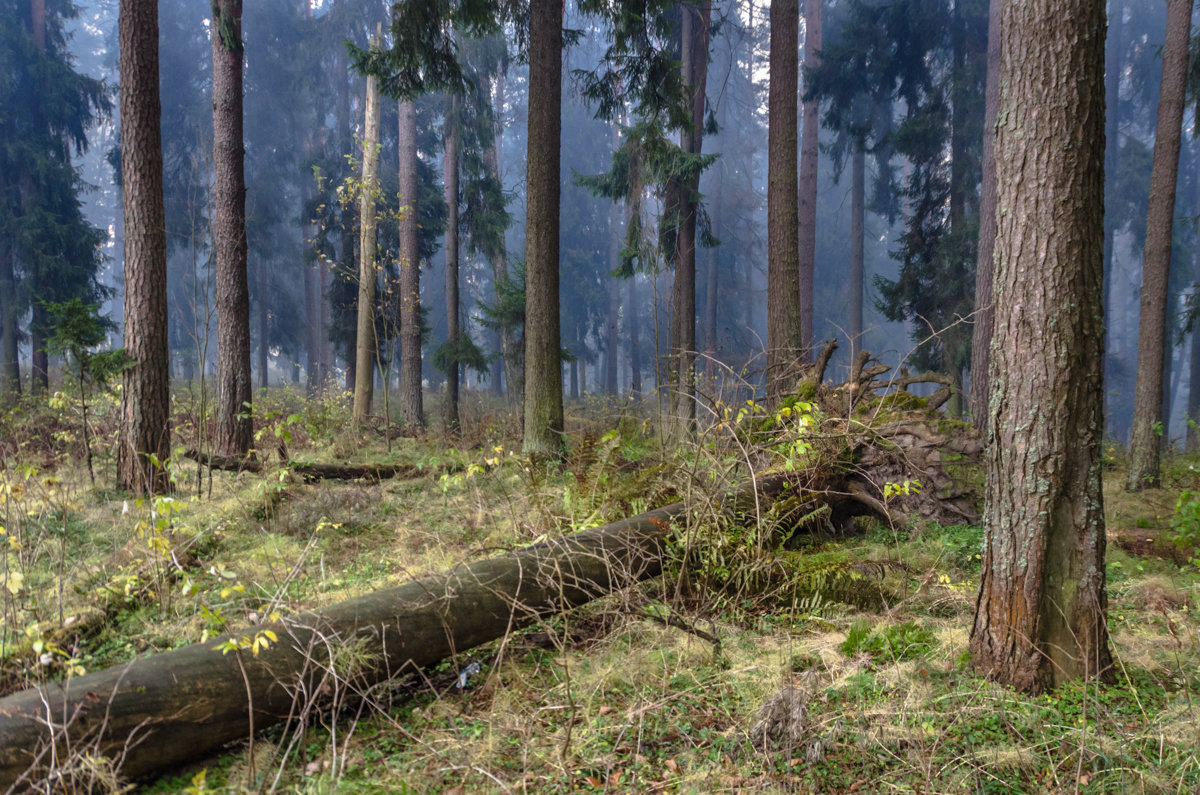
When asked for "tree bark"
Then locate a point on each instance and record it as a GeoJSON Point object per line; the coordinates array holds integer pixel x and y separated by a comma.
{"type": "Point", "coordinates": [981, 337]}
{"type": "Point", "coordinates": [635, 341]}
{"type": "Point", "coordinates": [145, 417]}
{"type": "Point", "coordinates": [364, 358]}
{"type": "Point", "coordinates": [784, 338]}
{"type": "Point", "coordinates": [1040, 612]}
{"type": "Point", "coordinates": [10, 369]}
{"type": "Point", "coordinates": [543, 365]}
{"type": "Point", "coordinates": [809, 155]}
{"type": "Point", "coordinates": [235, 429]}
{"type": "Point", "coordinates": [450, 183]}
{"type": "Point", "coordinates": [613, 283]}
{"type": "Point", "coordinates": [411, 399]}
{"type": "Point", "coordinates": [1145, 443]}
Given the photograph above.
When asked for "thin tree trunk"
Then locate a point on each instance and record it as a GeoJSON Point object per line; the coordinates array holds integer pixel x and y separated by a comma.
{"type": "Point", "coordinates": [807, 203]}
{"type": "Point", "coordinates": [145, 417]}
{"type": "Point", "coordinates": [1144, 447]}
{"type": "Point", "coordinates": [784, 336]}
{"type": "Point", "coordinates": [364, 370]}
{"type": "Point", "coordinates": [10, 370]}
{"type": "Point", "coordinates": [1040, 613]}
{"type": "Point", "coordinates": [450, 181]}
{"type": "Point", "coordinates": [635, 342]}
{"type": "Point", "coordinates": [981, 338]}
{"type": "Point", "coordinates": [543, 365]}
{"type": "Point", "coordinates": [858, 211]}
{"type": "Point", "coordinates": [264, 331]}
{"type": "Point", "coordinates": [411, 400]}
{"type": "Point", "coordinates": [234, 425]}
{"type": "Point", "coordinates": [613, 283]}
{"type": "Point", "coordinates": [1112, 147]}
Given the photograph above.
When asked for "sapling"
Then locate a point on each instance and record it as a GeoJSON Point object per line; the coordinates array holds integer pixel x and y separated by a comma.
{"type": "Point", "coordinates": [76, 330]}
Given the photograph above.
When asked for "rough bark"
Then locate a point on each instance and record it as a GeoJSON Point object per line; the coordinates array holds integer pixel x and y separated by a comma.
{"type": "Point", "coordinates": [145, 418]}
{"type": "Point", "coordinates": [809, 155]}
{"type": "Point", "coordinates": [234, 426]}
{"type": "Point", "coordinates": [784, 340]}
{"type": "Point", "coordinates": [411, 399]}
{"type": "Point", "coordinates": [1145, 443]}
{"type": "Point", "coordinates": [364, 351]}
{"type": "Point", "coordinates": [981, 336]}
{"type": "Point", "coordinates": [1040, 612]}
{"type": "Point", "coordinates": [543, 367]}
{"type": "Point", "coordinates": [450, 183]}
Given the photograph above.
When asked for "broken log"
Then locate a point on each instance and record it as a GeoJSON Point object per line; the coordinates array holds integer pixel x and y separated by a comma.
{"type": "Point", "coordinates": [309, 471]}
{"type": "Point", "coordinates": [158, 712]}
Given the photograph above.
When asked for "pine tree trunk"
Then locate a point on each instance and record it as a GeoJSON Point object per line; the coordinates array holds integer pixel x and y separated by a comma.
{"type": "Point", "coordinates": [784, 338]}
{"type": "Point", "coordinates": [614, 296]}
{"type": "Point", "coordinates": [809, 155]}
{"type": "Point", "coordinates": [1040, 614]}
{"type": "Point", "coordinates": [1148, 420]}
{"type": "Point", "coordinates": [234, 426]}
{"type": "Point", "coordinates": [450, 182]}
{"type": "Point", "coordinates": [364, 358]}
{"type": "Point", "coordinates": [145, 417]}
{"type": "Point", "coordinates": [543, 366]}
{"type": "Point", "coordinates": [411, 400]}
{"type": "Point", "coordinates": [981, 338]}
{"type": "Point", "coordinates": [635, 341]}
{"type": "Point", "coordinates": [1112, 142]}
{"type": "Point", "coordinates": [858, 211]}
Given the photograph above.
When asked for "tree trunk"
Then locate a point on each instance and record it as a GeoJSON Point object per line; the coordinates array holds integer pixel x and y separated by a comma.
{"type": "Point", "coordinates": [312, 317]}
{"type": "Point", "coordinates": [543, 365]}
{"type": "Point", "coordinates": [364, 359]}
{"type": "Point", "coordinates": [1112, 145]}
{"type": "Point", "coordinates": [858, 211]}
{"type": "Point", "coordinates": [264, 331]}
{"type": "Point", "coordinates": [450, 182]}
{"type": "Point", "coordinates": [1040, 613]}
{"type": "Point", "coordinates": [635, 341]}
{"type": "Point", "coordinates": [1144, 445]}
{"type": "Point", "coordinates": [784, 339]}
{"type": "Point", "coordinates": [411, 400]}
{"type": "Point", "coordinates": [145, 414]}
{"type": "Point", "coordinates": [161, 711]}
{"type": "Point", "coordinates": [613, 282]}
{"type": "Point", "coordinates": [809, 154]}
{"type": "Point", "coordinates": [10, 370]}
{"type": "Point", "coordinates": [696, 26]}
{"type": "Point", "coordinates": [235, 428]}
{"type": "Point", "coordinates": [981, 338]}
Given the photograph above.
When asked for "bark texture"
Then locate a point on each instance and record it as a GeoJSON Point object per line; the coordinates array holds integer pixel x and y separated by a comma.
{"type": "Point", "coordinates": [234, 426]}
{"type": "Point", "coordinates": [1041, 606]}
{"type": "Point", "coordinates": [411, 400]}
{"type": "Point", "coordinates": [543, 346]}
{"type": "Point", "coordinates": [809, 154]}
{"type": "Point", "coordinates": [145, 418]}
{"type": "Point", "coordinates": [364, 350]}
{"type": "Point", "coordinates": [784, 342]}
{"type": "Point", "coordinates": [1145, 444]}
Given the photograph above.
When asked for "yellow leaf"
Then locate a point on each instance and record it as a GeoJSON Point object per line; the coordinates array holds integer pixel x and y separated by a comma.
{"type": "Point", "coordinates": [13, 582]}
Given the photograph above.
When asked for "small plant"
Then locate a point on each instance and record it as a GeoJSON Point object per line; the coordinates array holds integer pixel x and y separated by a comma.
{"type": "Point", "coordinates": [905, 641]}
{"type": "Point", "coordinates": [1185, 524]}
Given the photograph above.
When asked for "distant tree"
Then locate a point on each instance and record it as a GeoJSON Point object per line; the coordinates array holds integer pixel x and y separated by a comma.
{"type": "Point", "coordinates": [235, 428]}
{"type": "Point", "coordinates": [543, 347]}
{"type": "Point", "coordinates": [1040, 613]}
{"type": "Point", "coordinates": [365, 350]}
{"type": "Point", "coordinates": [807, 197]}
{"type": "Point", "coordinates": [450, 166]}
{"type": "Point", "coordinates": [784, 340]}
{"type": "Point", "coordinates": [1148, 417]}
{"type": "Point", "coordinates": [981, 335]}
{"type": "Point", "coordinates": [411, 407]}
{"type": "Point", "coordinates": [145, 416]}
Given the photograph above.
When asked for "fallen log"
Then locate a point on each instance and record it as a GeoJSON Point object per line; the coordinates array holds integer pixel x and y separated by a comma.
{"type": "Point", "coordinates": [308, 471]}
{"type": "Point", "coordinates": [160, 711]}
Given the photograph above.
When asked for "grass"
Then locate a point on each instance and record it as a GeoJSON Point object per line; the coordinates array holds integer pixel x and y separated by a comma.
{"type": "Point", "coordinates": [852, 648]}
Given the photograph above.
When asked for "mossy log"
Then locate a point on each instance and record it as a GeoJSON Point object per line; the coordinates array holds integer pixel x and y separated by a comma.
{"type": "Point", "coordinates": [160, 711]}
{"type": "Point", "coordinates": [310, 471]}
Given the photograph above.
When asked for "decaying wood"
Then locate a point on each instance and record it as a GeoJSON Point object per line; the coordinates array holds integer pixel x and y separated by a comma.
{"type": "Point", "coordinates": [310, 471]}
{"type": "Point", "coordinates": [160, 711]}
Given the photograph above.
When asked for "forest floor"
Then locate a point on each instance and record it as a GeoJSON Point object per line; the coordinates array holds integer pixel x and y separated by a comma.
{"type": "Point", "coordinates": [830, 663]}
